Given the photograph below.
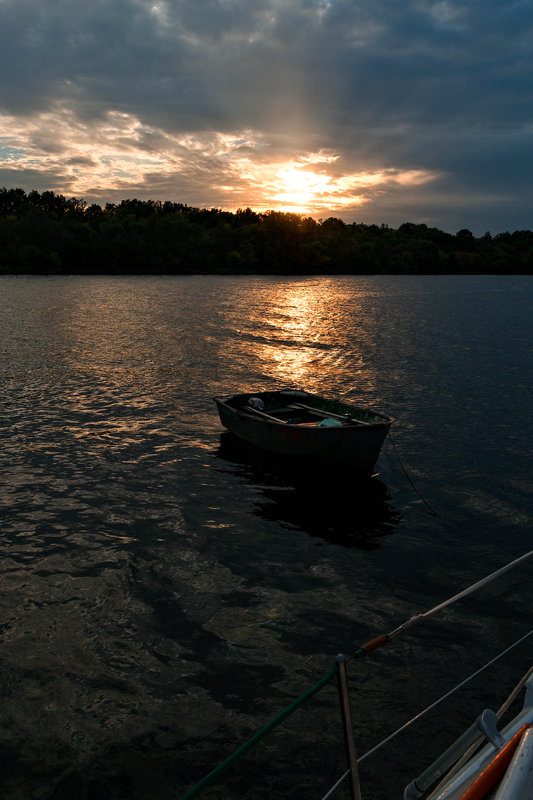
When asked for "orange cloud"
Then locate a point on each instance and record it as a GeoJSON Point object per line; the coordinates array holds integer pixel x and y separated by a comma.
{"type": "Point", "coordinates": [119, 154]}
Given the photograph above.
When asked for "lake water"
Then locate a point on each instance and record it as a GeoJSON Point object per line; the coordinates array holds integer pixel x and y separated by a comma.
{"type": "Point", "coordinates": [164, 592]}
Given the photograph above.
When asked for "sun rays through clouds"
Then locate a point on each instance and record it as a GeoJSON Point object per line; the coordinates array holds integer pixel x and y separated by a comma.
{"type": "Point", "coordinates": [118, 156]}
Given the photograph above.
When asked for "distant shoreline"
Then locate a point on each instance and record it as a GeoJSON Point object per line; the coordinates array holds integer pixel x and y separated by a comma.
{"type": "Point", "coordinates": [46, 234]}
{"type": "Point", "coordinates": [255, 274]}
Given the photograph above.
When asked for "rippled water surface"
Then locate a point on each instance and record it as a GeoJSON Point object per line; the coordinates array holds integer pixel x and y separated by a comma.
{"type": "Point", "coordinates": [165, 592]}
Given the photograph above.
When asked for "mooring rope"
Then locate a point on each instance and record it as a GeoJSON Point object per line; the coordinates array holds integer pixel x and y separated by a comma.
{"type": "Point", "coordinates": [433, 705]}
{"type": "Point", "coordinates": [400, 462]}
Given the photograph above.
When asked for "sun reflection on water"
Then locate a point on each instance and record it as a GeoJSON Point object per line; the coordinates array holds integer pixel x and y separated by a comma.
{"type": "Point", "coordinates": [304, 333]}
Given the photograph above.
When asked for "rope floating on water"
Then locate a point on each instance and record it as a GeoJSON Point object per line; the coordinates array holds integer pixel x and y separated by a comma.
{"type": "Point", "coordinates": [400, 462]}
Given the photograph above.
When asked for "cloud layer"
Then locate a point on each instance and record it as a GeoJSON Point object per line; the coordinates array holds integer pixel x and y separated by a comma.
{"type": "Point", "coordinates": [375, 112]}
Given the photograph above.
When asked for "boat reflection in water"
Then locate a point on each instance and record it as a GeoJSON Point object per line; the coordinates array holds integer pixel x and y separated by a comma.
{"type": "Point", "coordinates": [333, 504]}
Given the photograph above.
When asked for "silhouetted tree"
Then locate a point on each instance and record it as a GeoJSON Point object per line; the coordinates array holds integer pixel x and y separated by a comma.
{"type": "Point", "coordinates": [45, 232]}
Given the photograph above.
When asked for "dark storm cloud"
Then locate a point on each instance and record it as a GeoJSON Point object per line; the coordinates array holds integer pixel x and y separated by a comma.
{"type": "Point", "coordinates": [441, 87]}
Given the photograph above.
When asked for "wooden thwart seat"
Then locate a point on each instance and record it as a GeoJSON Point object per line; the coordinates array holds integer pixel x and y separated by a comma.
{"type": "Point", "coordinates": [318, 411]}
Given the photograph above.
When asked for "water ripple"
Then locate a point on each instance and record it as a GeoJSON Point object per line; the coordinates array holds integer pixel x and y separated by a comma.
{"type": "Point", "coordinates": [165, 592]}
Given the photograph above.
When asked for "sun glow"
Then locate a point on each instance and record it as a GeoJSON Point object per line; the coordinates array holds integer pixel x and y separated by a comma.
{"type": "Point", "coordinates": [118, 156]}
{"type": "Point", "coordinates": [299, 190]}
{"type": "Point", "coordinates": [314, 184]}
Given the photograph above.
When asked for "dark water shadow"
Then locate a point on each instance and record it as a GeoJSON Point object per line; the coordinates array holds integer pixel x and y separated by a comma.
{"type": "Point", "coordinates": [333, 504]}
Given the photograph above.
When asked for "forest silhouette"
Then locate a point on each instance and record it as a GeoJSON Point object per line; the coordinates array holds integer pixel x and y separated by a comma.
{"type": "Point", "coordinates": [46, 233]}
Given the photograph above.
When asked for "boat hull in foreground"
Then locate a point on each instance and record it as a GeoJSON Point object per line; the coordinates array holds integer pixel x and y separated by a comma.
{"type": "Point", "coordinates": [501, 770]}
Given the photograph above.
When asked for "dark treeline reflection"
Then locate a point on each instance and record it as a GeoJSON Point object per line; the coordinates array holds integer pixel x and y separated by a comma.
{"type": "Point", "coordinates": [49, 234]}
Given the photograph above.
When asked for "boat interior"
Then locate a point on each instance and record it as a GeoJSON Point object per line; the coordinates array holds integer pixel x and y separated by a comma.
{"type": "Point", "coordinates": [302, 414]}
{"type": "Point", "coordinates": [296, 407]}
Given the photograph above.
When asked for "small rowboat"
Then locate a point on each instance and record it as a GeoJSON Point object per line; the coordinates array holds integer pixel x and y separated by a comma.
{"type": "Point", "coordinates": [296, 423]}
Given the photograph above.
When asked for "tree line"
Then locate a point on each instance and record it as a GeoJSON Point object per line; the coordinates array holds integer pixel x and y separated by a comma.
{"type": "Point", "coordinates": [46, 233]}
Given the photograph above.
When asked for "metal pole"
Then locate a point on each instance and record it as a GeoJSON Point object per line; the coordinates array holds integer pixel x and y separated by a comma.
{"type": "Point", "coordinates": [351, 753]}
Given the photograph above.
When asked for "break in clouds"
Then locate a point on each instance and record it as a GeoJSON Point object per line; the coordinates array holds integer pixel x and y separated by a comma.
{"type": "Point", "coordinates": [376, 112]}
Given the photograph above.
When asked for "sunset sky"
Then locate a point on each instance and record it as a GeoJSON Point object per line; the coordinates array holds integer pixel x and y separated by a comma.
{"type": "Point", "coordinates": [379, 112]}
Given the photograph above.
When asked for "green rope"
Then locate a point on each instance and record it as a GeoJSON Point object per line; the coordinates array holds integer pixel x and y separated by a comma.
{"type": "Point", "coordinates": [212, 776]}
